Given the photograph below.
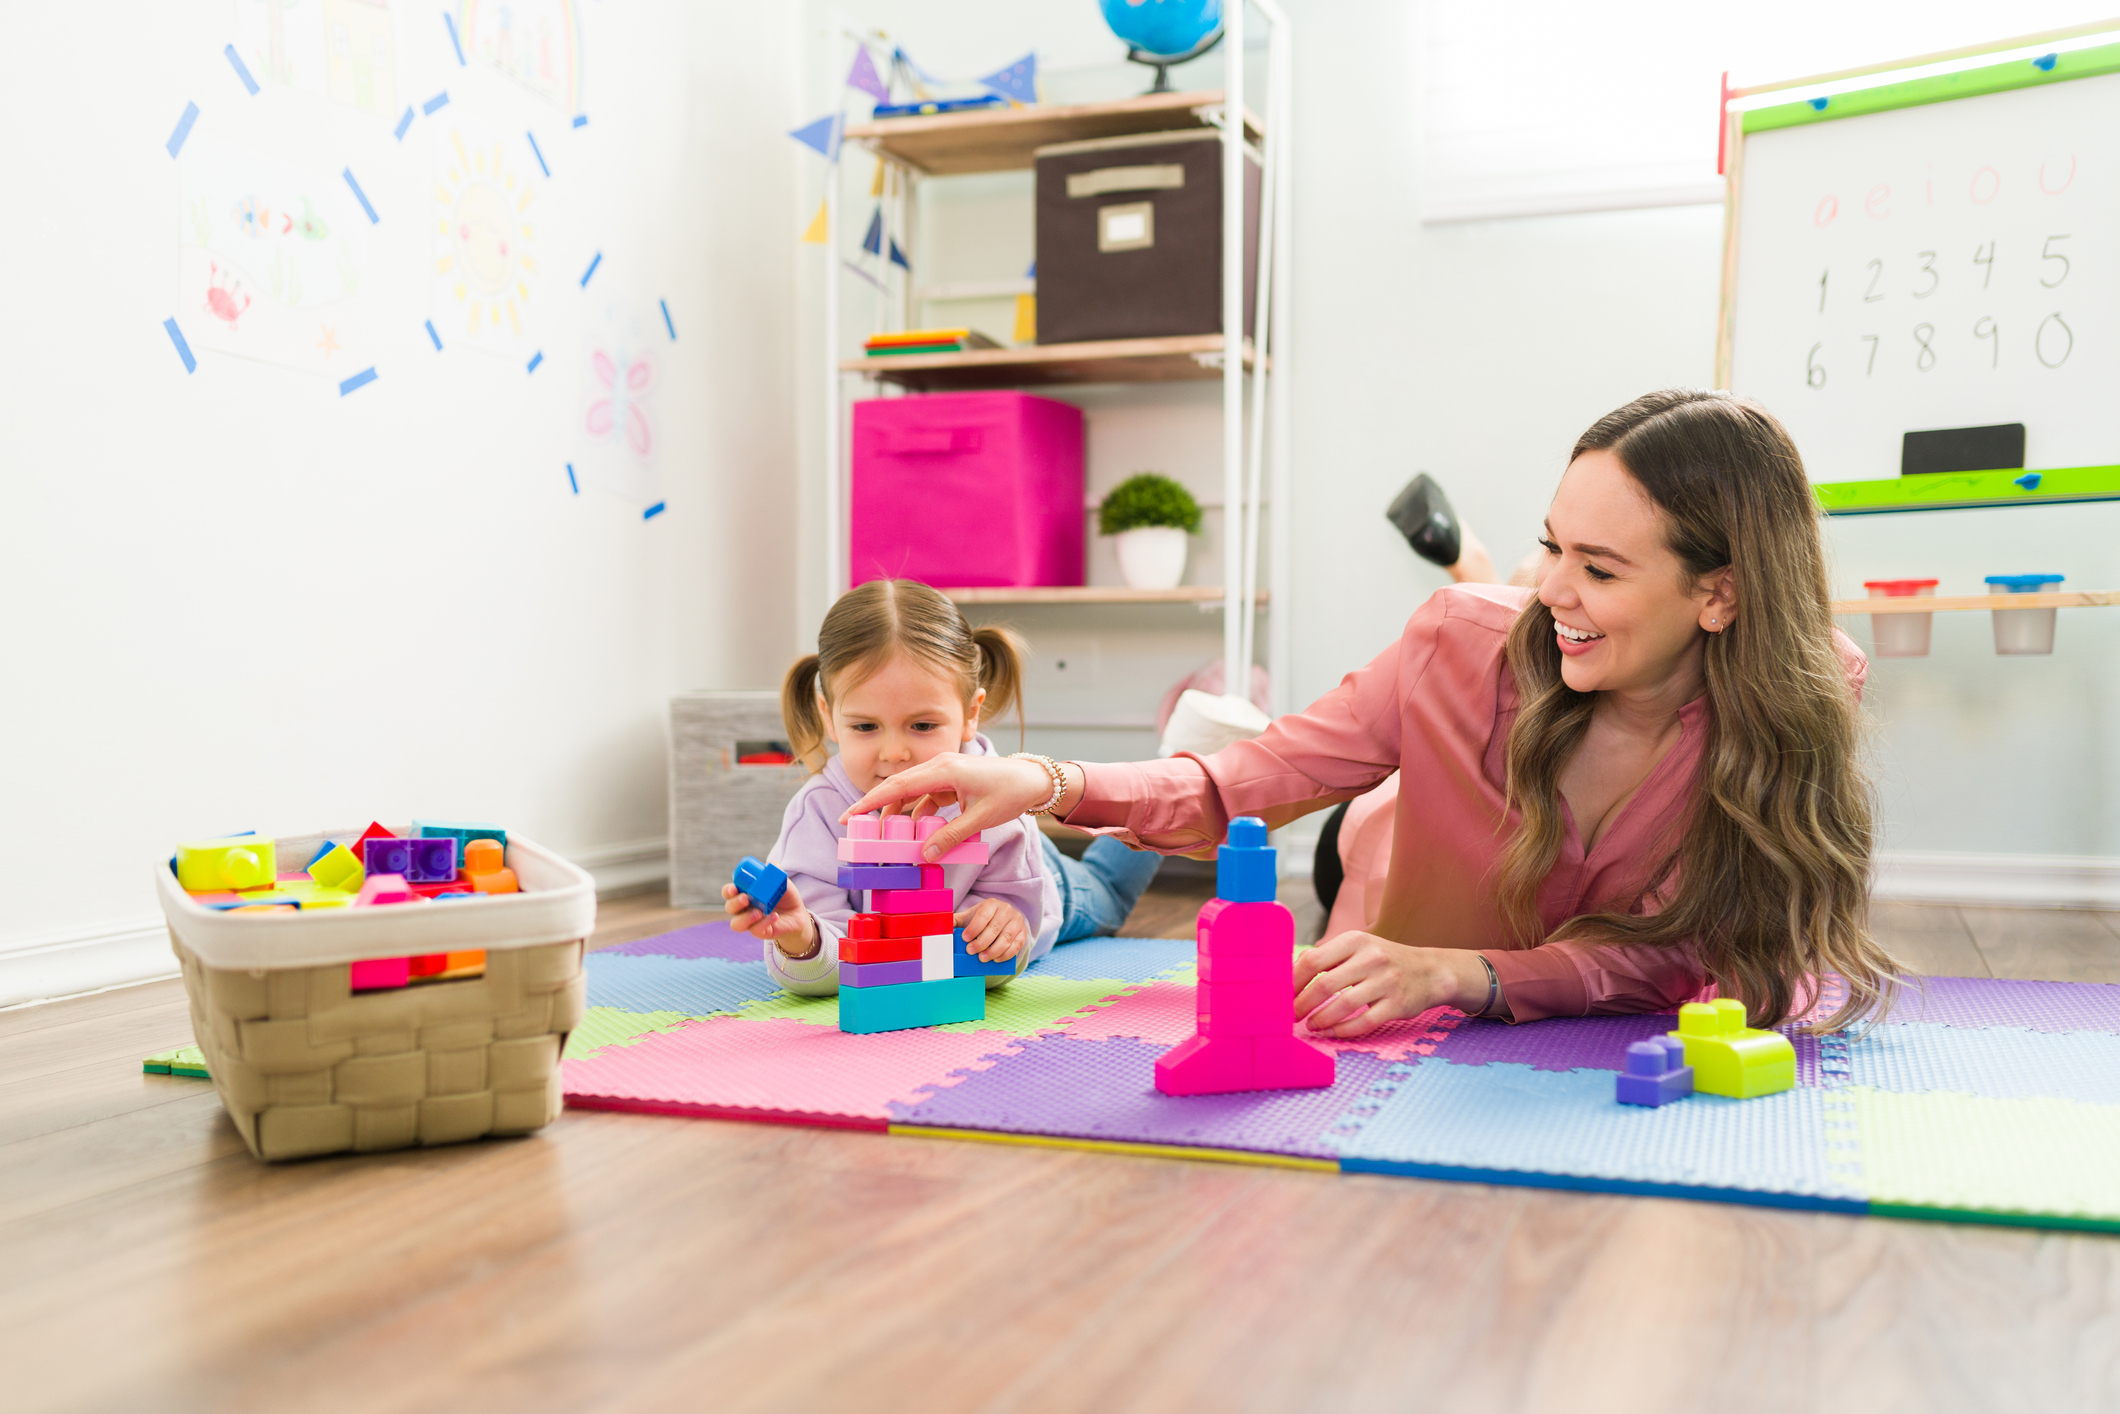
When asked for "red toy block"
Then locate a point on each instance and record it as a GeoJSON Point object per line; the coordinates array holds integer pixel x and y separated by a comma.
{"type": "Point", "coordinates": [375, 831]}
{"type": "Point", "coordinates": [377, 973]}
{"type": "Point", "coordinates": [865, 925]}
{"type": "Point", "coordinates": [867, 950]}
{"type": "Point", "coordinates": [912, 901]}
{"type": "Point", "coordinates": [429, 965]}
{"type": "Point", "coordinates": [461, 884]}
{"type": "Point", "coordinates": [916, 925]}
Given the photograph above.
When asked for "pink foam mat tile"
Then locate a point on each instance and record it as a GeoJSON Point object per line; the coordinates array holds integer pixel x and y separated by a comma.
{"type": "Point", "coordinates": [1167, 1013]}
{"type": "Point", "coordinates": [777, 1068]}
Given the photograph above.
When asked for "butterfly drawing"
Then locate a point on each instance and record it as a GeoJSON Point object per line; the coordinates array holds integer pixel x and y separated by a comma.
{"type": "Point", "coordinates": [616, 402]}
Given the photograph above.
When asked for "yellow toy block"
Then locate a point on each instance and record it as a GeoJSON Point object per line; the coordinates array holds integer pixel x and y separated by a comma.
{"type": "Point", "coordinates": [1730, 1058]}
{"type": "Point", "coordinates": [310, 894]}
{"type": "Point", "coordinates": [336, 868]}
{"type": "Point", "coordinates": [210, 866]}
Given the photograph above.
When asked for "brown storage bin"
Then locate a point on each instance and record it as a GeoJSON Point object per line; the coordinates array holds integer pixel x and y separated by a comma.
{"type": "Point", "coordinates": [1130, 237]}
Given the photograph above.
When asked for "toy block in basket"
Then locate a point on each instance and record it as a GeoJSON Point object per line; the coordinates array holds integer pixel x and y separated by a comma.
{"type": "Point", "coordinates": [332, 1020]}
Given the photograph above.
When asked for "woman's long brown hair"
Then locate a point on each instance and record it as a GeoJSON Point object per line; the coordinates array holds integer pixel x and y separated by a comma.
{"type": "Point", "coordinates": [872, 621]}
{"type": "Point", "coordinates": [1772, 865]}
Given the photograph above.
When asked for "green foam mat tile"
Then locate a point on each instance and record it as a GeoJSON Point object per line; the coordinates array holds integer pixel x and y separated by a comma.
{"type": "Point", "coordinates": [602, 1027]}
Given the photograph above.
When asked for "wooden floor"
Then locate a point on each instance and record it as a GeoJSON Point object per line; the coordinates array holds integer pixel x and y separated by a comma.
{"type": "Point", "coordinates": [147, 1263]}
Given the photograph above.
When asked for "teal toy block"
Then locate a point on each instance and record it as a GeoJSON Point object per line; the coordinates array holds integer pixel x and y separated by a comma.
{"type": "Point", "coordinates": [969, 964]}
{"type": "Point", "coordinates": [1244, 865]}
{"type": "Point", "coordinates": [866, 1010]}
{"type": "Point", "coordinates": [463, 832]}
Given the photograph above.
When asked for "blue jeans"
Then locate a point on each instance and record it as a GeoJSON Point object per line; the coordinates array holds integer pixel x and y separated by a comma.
{"type": "Point", "coordinates": [1100, 889]}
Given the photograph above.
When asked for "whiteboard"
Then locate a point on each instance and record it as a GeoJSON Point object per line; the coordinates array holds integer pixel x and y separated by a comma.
{"type": "Point", "coordinates": [1950, 265]}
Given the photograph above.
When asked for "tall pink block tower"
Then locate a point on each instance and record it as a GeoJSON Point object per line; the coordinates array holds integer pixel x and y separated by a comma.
{"type": "Point", "coordinates": [1247, 941]}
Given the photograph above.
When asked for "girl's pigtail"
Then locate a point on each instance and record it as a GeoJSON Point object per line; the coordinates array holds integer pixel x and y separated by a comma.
{"type": "Point", "coordinates": [799, 711]}
{"type": "Point", "coordinates": [1001, 669]}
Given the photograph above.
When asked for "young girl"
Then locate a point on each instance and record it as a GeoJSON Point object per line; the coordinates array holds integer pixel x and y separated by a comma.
{"type": "Point", "coordinates": [899, 678]}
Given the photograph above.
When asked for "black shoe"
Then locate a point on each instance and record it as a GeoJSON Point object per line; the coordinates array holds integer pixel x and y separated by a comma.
{"type": "Point", "coordinates": [1423, 515]}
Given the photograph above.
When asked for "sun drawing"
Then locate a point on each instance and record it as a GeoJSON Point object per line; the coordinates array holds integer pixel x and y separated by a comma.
{"type": "Point", "coordinates": [485, 256]}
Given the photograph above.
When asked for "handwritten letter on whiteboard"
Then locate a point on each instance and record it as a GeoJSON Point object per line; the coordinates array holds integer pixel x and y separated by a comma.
{"type": "Point", "coordinates": [1950, 265]}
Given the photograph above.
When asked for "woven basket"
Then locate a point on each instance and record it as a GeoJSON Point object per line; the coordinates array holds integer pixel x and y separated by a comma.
{"type": "Point", "coordinates": [305, 1066]}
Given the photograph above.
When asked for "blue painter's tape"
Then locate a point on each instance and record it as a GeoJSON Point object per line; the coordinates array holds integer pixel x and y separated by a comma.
{"type": "Point", "coordinates": [434, 336]}
{"type": "Point", "coordinates": [581, 120]}
{"type": "Point", "coordinates": [176, 139]}
{"type": "Point", "coordinates": [535, 359]}
{"type": "Point", "coordinates": [1820, 103]}
{"type": "Point", "coordinates": [176, 336]}
{"type": "Point", "coordinates": [358, 380]}
{"type": "Point", "coordinates": [653, 511]}
{"type": "Point", "coordinates": [2029, 481]}
{"type": "Point", "coordinates": [666, 317]}
{"type": "Point", "coordinates": [538, 153]}
{"type": "Point", "coordinates": [242, 69]}
{"type": "Point", "coordinates": [594, 261]}
{"type": "Point", "coordinates": [404, 123]}
{"type": "Point", "coordinates": [454, 42]}
{"type": "Point", "coordinates": [571, 481]}
{"type": "Point", "coordinates": [440, 100]}
{"type": "Point", "coordinates": [360, 196]}
{"type": "Point", "coordinates": [2045, 62]}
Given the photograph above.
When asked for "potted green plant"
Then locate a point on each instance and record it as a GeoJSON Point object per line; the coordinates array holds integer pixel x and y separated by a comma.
{"type": "Point", "coordinates": [1150, 515]}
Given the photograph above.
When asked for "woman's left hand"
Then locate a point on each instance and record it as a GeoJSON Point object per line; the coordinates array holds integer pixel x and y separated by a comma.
{"type": "Point", "coordinates": [1352, 984]}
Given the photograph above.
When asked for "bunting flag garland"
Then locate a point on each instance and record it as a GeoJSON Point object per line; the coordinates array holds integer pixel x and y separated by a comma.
{"type": "Point", "coordinates": [815, 234]}
{"type": "Point", "coordinates": [864, 77]}
{"type": "Point", "coordinates": [873, 241]}
{"type": "Point", "coordinates": [1018, 82]}
{"type": "Point", "coordinates": [822, 135]}
{"type": "Point", "coordinates": [898, 258]}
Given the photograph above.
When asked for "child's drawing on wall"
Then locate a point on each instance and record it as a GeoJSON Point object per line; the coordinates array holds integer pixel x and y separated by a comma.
{"type": "Point", "coordinates": [344, 50]}
{"type": "Point", "coordinates": [535, 42]}
{"type": "Point", "coordinates": [485, 257]}
{"type": "Point", "coordinates": [617, 430]}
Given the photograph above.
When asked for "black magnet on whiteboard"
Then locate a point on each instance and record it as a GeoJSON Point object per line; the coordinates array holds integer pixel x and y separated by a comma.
{"type": "Point", "coordinates": [2029, 481]}
{"type": "Point", "coordinates": [1947, 449]}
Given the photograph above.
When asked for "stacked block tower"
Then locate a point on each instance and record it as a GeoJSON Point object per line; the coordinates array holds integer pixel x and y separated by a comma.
{"type": "Point", "coordinates": [1246, 1038]}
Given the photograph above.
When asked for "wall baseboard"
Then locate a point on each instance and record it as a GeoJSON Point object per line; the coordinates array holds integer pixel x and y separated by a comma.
{"type": "Point", "coordinates": [2034, 880]}
{"type": "Point", "coordinates": [137, 950]}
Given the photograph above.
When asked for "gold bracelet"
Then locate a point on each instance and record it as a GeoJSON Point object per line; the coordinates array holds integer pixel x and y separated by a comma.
{"type": "Point", "coordinates": [1052, 768]}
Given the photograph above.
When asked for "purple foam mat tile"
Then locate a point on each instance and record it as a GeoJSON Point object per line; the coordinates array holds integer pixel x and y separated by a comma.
{"type": "Point", "coordinates": [1106, 1089]}
{"type": "Point", "coordinates": [2030, 1006]}
{"type": "Point", "coordinates": [1557, 1043]}
{"type": "Point", "coordinates": [701, 940]}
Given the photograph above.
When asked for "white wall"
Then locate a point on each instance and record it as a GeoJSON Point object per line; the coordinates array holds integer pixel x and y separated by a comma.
{"type": "Point", "coordinates": [240, 600]}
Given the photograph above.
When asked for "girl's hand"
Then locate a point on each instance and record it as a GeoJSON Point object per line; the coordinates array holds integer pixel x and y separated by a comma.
{"type": "Point", "coordinates": [992, 789]}
{"type": "Point", "coordinates": [994, 930]}
{"type": "Point", "coordinates": [1354, 983]}
{"type": "Point", "coordinates": [788, 927]}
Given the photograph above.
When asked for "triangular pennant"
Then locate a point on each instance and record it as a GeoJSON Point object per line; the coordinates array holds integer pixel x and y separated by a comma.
{"type": "Point", "coordinates": [816, 234]}
{"type": "Point", "coordinates": [1032, 273]}
{"type": "Point", "coordinates": [873, 241]}
{"type": "Point", "coordinates": [864, 77]}
{"type": "Point", "coordinates": [822, 135]}
{"type": "Point", "coordinates": [898, 257]}
{"type": "Point", "coordinates": [876, 185]}
{"type": "Point", "coordinates": [1019, 81]}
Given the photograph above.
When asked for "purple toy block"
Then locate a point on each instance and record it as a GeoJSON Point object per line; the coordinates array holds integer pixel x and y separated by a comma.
{"type": "Point", "coordinates": [885, 876]}
{"type": "Point", "coordinates": [387, 856]}
{"type": "Point", "coordinates": [912, 901]}
{"type": "Point", "coordinates": [433, 860]}
{"type": "Point", "coordinates": [878, 974]}
{"type": "Point", "coordinates": [1656, 1073]}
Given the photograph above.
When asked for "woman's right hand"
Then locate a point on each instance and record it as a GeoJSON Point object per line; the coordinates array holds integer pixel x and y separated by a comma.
{"type": "Point", "coordinates": [992, 789]}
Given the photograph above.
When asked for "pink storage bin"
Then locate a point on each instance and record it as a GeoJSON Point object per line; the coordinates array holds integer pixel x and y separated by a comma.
{"type": "Point", "coordinates": [967, 490]}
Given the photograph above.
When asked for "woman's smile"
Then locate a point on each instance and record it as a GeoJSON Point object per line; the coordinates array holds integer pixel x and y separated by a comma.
{"type": "Point", "coordinates": [1575, 641]}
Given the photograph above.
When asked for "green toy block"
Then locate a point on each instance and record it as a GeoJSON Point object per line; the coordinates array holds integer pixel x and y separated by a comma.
{"type": "Point", "coordinates": [1730, 1058]}
{"type": "Point", "coordinates": [241, 862]}
{"type": "Point", "coordinates": [863, 1010]}
{"type": "Point", "coordinates": [184, 1060]}
{"type": "Point", "coordinates": [337, 868]}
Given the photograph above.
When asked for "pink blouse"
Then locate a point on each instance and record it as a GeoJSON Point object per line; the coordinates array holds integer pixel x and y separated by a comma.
{"type": "Point", "coordinates": [1437, 706]}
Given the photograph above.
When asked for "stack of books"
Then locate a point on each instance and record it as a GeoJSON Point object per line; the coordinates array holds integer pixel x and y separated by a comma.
{"type": "Point", "coordinates": [927, 341]}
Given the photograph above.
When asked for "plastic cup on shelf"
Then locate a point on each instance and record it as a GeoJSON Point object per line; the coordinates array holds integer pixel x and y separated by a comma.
{"type": "Point", "coordinates": [1900, 635]}
{"type": "Point", "coordinates": [2023, 630]}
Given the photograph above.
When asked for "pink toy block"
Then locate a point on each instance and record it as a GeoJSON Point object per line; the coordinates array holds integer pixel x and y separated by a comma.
{"type": "Point", "coordinates": [853, 851]}
{"type": "Point", "coordinates": [865, 827]}
{"type": "Point", "coordinates": [1195, 1067]}
{"type": "Point", "coordinates": [927, 825]}
{"type": "Point", "coordinates": [1247, 930]}
{"type": "Point", "coordinates": [931, 877]}
{"type": "Point", "coordinates": [384, 888]}
{"type": "Point", "coordinates": [1288, 1062]}
{"type": "Point", "coordinates": [1243, 968]}
{"type": "Point", "coordinates": [1246, 1037]}
{"type": "Point", "coordinates": [897, 827]}
{"type": "Point", "coordinates": [378, 973]}
{"type": "Point", "coordinates": [911, 900]}
{"type": "Point", "coordinates": [1246, 1008]}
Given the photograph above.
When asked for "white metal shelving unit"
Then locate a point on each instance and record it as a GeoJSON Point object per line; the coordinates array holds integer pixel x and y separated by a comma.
{"type": "Point", "coordinates": [1256, 480]}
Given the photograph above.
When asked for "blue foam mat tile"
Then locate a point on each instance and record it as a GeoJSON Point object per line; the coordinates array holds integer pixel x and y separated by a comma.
{"type": "Point", "coordinates": [694, 986]}
{"type": "Point", "coordinates": [1122, 959]}
{"type": "Point", "coordinates": [1520, 1122]}
{"type": "Point", "coordinates": [2002, 1062]}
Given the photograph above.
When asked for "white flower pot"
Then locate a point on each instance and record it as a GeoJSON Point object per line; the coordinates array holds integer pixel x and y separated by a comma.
{"type": "Point", "coordinates": [1151, 556]}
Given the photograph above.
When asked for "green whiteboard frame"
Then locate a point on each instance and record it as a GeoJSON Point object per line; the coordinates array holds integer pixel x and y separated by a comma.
{"type": "Point", "coordinates": [1967, 490]}
{"type": "Point", "coordinates": [1938, 88]}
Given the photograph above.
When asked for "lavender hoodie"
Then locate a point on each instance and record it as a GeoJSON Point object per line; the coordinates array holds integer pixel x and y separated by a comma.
{"type": "Point", "coordinates": [808, 850]}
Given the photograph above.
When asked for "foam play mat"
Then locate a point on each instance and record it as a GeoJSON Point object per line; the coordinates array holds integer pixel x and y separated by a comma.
{"type": "Point", "coordinates": [1973, 1100]}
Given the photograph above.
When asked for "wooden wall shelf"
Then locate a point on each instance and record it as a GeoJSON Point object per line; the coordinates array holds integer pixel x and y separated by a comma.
{"type": "Point", "coordinates": [1175, 360]}
{"type": "Point", "coordinates": [1206, 595]}
{"type": "Point", "coordinates": [1003, 139]}
{"type": "Point", "coordinates": [1946, 603]}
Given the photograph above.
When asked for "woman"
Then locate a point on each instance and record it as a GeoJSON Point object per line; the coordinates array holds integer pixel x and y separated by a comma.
{"type": "Point", "coordinates": [1631, 785]}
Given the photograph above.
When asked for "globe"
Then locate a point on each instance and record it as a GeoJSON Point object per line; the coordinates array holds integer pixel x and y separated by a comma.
{"type": "Point", "coordinates": [1161, 33]}
{"type": "Point", "coordinates": [1163, 29]}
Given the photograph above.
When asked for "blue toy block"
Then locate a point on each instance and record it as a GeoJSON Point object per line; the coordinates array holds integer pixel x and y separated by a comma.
{"type": "Point", "coordinates": [864, 1010]}
{"type": "Point", "coordinates": [462, 831]}
{"type": "Point", "coordinates": [967, 964]}
{"type": "Point", "coordinates": [881, 876]}
{"type": "Point", "coordinates": [1656, 1073]}
{"type": "Point", "coordinates": [1244, 865]}
{"type": "Point", "coordinates": [763, 883]}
